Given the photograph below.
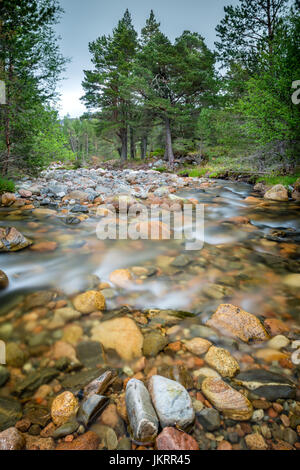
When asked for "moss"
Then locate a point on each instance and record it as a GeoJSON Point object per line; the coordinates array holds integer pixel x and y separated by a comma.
{"type": "Point", "coordinates": [6, 186]}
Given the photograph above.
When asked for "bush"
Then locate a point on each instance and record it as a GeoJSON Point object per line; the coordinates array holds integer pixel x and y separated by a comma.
{"type": "Point", "coordinates": [6, 186]}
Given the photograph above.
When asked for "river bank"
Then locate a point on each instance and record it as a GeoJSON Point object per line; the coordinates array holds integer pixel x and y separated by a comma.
{"type": "Point", "coordinates": [98, 332]}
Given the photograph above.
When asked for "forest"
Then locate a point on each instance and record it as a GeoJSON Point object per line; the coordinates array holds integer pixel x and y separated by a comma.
{"type": "Point", "coordinates": [235, 107]}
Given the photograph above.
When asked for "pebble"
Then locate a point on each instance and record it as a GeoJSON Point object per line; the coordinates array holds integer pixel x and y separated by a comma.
{"type": "Point", "coordinates": [154, 342]}
{"type": "Point", "coordinates": [221, 360]}
{"type": "Point", "coordinates": [278, 342]}
{"type": "Point", "coordinates": [64, 407]}
{"type": "Point", "coordinates": [256, 442]}
{"type": "Point", "coordinates": [230, 402]}
{"type": "Point", "coordinates": [3, 280]}
{"type": "Point", "coordinates": [172, 439]}
{"type": "Point", "coordinates": [122, 335]}
{"type": "Point", "coordinates": [209, 418]}
{"type": "Point", "coordinates": [140, 411]}
{"type": "Point", "coordinates": [11, 439]}
{"type": "Point", "coordinates": [90, 408]}
{"type": "Point", "coordinates": [197, 346]}
{"type": "Point", "coordinates": [171, 401]}
{"type": "Point", "coordinates": [89, 302]}
{"type": "Point", "coordinates": [120, 277]}
{"type": "Point", "coordinates": [266, 384]}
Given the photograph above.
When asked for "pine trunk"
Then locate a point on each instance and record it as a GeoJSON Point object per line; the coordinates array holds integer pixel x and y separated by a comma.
{"type": "Point", "coordinates": [169, 149]}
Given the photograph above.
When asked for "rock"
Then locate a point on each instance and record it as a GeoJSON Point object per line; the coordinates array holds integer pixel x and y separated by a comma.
{"type": "Point", "coordinates": [38, 299]}
{"type": "Point", "coordinates": [67, 314]}
{"type": "Point", "coordinates": [4, 375]}
{"type": "Point", "coordinates": [209, 418]}
{"type": "Point", "coordinates": [270, 355]}
{"type": "Point", "coordinates": [142, 417]}
{"type": "Point", "coordinates": [64, 407]}
{"type": "Point", "coordinates": [292, 280]}
{"type": "Point", "coordinates": [34, 380]}
{"type": "Point", "coordinates": [198, 346]}
{"type": "Point", "coordinates": [231, 403]}
{"type": "Point", "coordinates": [221, 360]}
{"type": "Point", "coordinates": [44, 247]}
{"type": "Point", "coordinates": [78, 195]}
{"type": "Point", "coordinates": [25, 193]}
{"type": "Point", "coordinates": [71, 220]}
{"type": "Point", "coordinates": [154, 342]}
{"type": "Point", "coordinates": [3, 280]}
{"type": "Point", "coordinates": [171, 401]}
{"type": "Point", "coordinates": [66, 429]}
{"type": "Point", "coordinates": [62, 349]}
{"type": "Point", "coordinates": [172, 439]}
{"type": "Point", "coordinates": [12, 240]}
{"type": "Point", "coordinates": [101, 383]}
{"type": "Point", "coordinates": [15, 356]}
{"type": "Point", "coordinates": [255, 442]}
{"type": "Point", "coordinates": [72, 334]}
{"type": "Point", "coordinates": [10, 412]}
{"type": "Point", "coordinates": [8, 199]}
{"type": "Point", "coordinates": [235, 322]}
{"type": "Point", "coordinates": [39, 443]}
{"type": "Point", "coordinates": [277, 193]}
{"type": "Point", "coordinates": [278, 342]}
{"type": "Point", "coordinates": [90, 408]}
{"type": "Point", "coordinates": [79, 209]}
{"type": "Point", "coordinates": [122, 335]}
{"type": "Point", "coordinates": [120, 277]}
{"type": "Point", "coordinates": [88, 441]}
{"type": "Point", "coordinates": [41, 213]}
{"type": "Point", "coordinates": [181, 261]}
{"type": "Point", "coordinates": [153, 230]}
{"type": "Point", "coordinates": [90, 353]}
{"type": "Point", "coordinates": [78, 381]}
{"type": "Point", "coordinates": [266, 384]}
{"type": "Point", "coordinates": [89, 302]}
{"type": "Point", "coordinates": [11, 439]}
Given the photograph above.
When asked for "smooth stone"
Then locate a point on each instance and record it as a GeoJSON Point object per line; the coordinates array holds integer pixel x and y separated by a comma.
{"type": "Point", "coordinates": [90, 353]}
{"type": "Point", "coordinates": [66, 429]}
{"type": "Point", "coordinates": [197, 346]}
{"type": "Point", "coordinates": [221, 360]}
{"type": "Point", "coordinates": [277, 193]}
{"type": "Point", "coordinates": [171, 401]}
{"type": "Point", "coordinates": [142, 417]}
{"type": "Point", "coordinates": [10, 412]}
{"type": "Point", "coordinates": [209, 418]}
{"type": "Point", "coordinates": [266, 384]}
{"type": "Point", "coordinates": [15, 356]}
{"type": "Point", "coordinates": [181, 261]}
{"type": "Point", "coordinates": [89, 302]}
{"type": "Point", "coordinates": [64, 407]}
{"type": "Point", "coordinates": [7, 199]}
{"type": "Point", "coordinates": [230, 402]}
{"type": "Point", "coordinates": [122, 335]}
{"type": "Point", "coordinates": [90, 408]}
{"type": "Point", "coordinates": [11, 439]}
{"type": "Point", "coordinates": [101, 383]}
{"type": "Point", "coordinates": [120, 277]}
{"type": "Point", "coordinates": [12, 240]}
{"type": "Point", "coordinates": [38, 299]}
{"type": "Point", "coordinates": [154, 342]}
{"type": "Point", "coordinates": [278, 342]}
{"type": "Point", "coordinates": [236, 322]}
{"type": "Point", "coordinates": [3, 280]}
{"type": "Point", "coordinates": [172, 439]}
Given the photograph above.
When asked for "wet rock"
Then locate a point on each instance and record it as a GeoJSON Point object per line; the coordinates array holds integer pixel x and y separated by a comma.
{"type": "Point", "coordinates": [235, 322]}
{"type": "Point", "coordinates": [181, 261]}
{"type": "Point", "coordinates": [34, 380]}
{"type": "Point", "coordinates": [142, 417]}
{"type": "Point", "coordinates": [277, 193]}
{"type": "Point", "coordinates": [15, 356]}
{"type": "Point", "coordinates": [278, 342]}
{"type": "Point", "coordinates": [72, 334]}
{"type": "Point", "coordinates": [120, 277]}
{"type": "Point", "coordinates": [44, 247]}
{"type": "Point", "coordinates": [66, 429]}
{"type": "Point", "coordinates": [122, 335]}
{"type": "Point", "coordinates": [4, 375]}
{"type": "Point", "coordinates": [270, 355]}
{"type": "Point", "coordinates": [10, 412]}
{"type": "Point", "coordinates": [198, 346]}
{"type": "Point", "coordinates": [209, 418]}
{"type": "Point", "coordinates": [38, 299]}
{"type": "Point", "coordinates": [64, 407]}
{"type": "Point", "coordinates": [39, 443]}
{"type": "Point", "coordinates": [81, 196]}
{"type": "Point", "coordinates": [36, 414]}
{"type": "Point", "coordinates": [255, 442]}
{"type": "Point", "coordinates": [12, 240]}
{"type": "Point", "coordinates": [266, 384]}
{"type": "Point", "coordinates": [90, 353]}
{"type": "Point", "coordinates": [90, 408]}
{"type": "Point", "coordinates": [71, 220]}
{"type": "Point", "coordinates": [88, 441]}
{"type": "Point", "coordinates": [3, 280]}
{"type": "Point", "coordinates": [179, 374]}
{"type": "Point", "coordinates": [124, 444]}
{"type": "Point", "coordinates": [154, 342]}
{"type": "Point", "coordinates": [79, 380]}
{"type": "Point", "coordinates": [171, 402]}
{"type": "Point", "coordinates": [80, 209]}
{"type": "Point", "coordinates": [62, 350]}
{"type": "Point", "coordinates": [101, 383]}
{"type": "Point", "coordinates": [89, 302]}
{"type": "Point", "coordinates": [11, 439]}
{"type": "Point", "coordinates": [231, 403]}
{"type": "Point", "coordinates": [221, 360]}
{"type": "Point", "coordinates": [8, 199]}
{"type": "Point", "coordinates": [172, 439]}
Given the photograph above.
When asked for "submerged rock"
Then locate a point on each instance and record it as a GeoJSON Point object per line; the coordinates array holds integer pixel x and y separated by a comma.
{"type": "Point", "coordinates": [34, 380]}
{"type": "Point", "coordinates": [90, 353]}
{"type": "Point", "coordinates": [209, 418]}
{"type": "Point", "coordinates": [66, 429]}
{"type": "Point", "coordinates": [266, 384]}
{"type": "Point", "coordinates": [141, 414]}
{"type": "Point", "coordinates": [12, 240]}
{"type": "Point", "coordinates": [4, 375]}
{"type": "Point", "coordinates": [10, 412]}
{"type": "Point", "coordinates": [3, 280]}
{"type": "Point", "coordinates": [277, 193]}
{"type": "Point", "coordinates": [221, 360]}
{"type": "Point", "coordinates": [122, 335]}
{"type": "Point", "coordinates": [230, 402]}
{"type": "Point", "coordinates": [154, 342]}
{"type": "Point", "coordinates": [172, 439]}
{"type": "Point", "coordinates": [197, 346]}
{"type": "Point", "coordinates": [90, 408]}
{"type": "Point", "coordinates": [236, 322]}
{"type": "Point", "coordinates": [171, 401]}
{"type": "Point", "coordinates": [89, 302]}
{"type": "Point", "coordinates": [64, 407]}
{"type": "Point", "coordinates": [100, 384]}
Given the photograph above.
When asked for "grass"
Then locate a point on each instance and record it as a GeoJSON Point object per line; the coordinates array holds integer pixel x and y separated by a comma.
{"type": "Point", "coordinates": [287, 180]}
{"type": "Point", "coordinates": [6, 186]}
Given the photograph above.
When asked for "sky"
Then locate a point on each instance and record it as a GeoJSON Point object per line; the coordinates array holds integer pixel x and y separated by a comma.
{"type": "Point", "coordinates": [86, 20]}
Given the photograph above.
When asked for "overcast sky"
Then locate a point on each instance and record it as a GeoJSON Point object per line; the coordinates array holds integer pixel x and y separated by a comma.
{"type": "Point", "coordinates": [85, 20]}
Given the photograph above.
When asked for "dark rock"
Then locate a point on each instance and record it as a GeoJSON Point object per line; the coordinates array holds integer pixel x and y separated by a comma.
{"type": "Point", "coordinates": [101, 384]}
{"type": "Point", "coordinates": [15, 356]}
{"type": "Point", "coordinates": [72, 220]}
{"type": "Point", "coordinates": [90, 408]}
{"type": "Point", "coordinates": [3, 280]}
{"type": "Point", "coordinates": [154, 342]}
{"type": "Point", "coordinates": [38, 299]}
{"type": "Point", "coordinates": [10, 412]}
{"type": "Point", "coordinates": [209, 418]}
{"type": "Point", "coordinates": [79, 380]}
{"type": "Point", "coordinates": [266, 384]}
{"type": "Point", "coordinates": [34, 380]}
{"type": "Point", "coordinates": [66, 429]}
{"type": "Point", "coordinates": [4, 375]}
{"type": "Point", "coordinates": [79, 208]}
{"type": "Point", "coordinates": [90, 353]}
{"type": "Point", "coordinates": [36, 414]}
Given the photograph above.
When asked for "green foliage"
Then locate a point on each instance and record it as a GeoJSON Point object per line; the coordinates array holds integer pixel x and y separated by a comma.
{"type": "Point", "coordinates": [6, 186]}
{"type": "Point", "coordinates": [286, 180]}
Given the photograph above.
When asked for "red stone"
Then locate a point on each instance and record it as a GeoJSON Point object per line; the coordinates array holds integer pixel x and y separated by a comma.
{"type": "Point", "coordinates": [275, 326]}
{"type": "Point", "coordinates": [224, 445]}
{"type": "Point", "coordinates": [172, 439]}
{"type": "Point", "coordinates": [88, 441]}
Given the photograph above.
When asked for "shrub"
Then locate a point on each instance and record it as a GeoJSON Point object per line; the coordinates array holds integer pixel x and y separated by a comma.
{"type": "Point", "coordinates": [6, 186]}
